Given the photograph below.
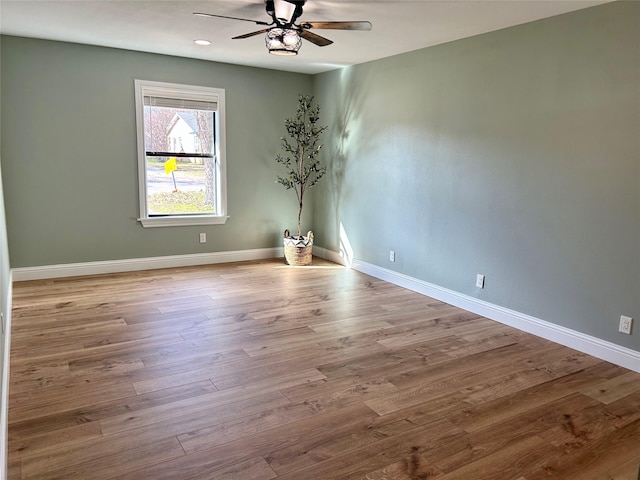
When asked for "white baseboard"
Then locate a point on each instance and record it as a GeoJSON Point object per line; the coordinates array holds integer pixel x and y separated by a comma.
{"type": "Point", "coordinates": [135, 264]}
{"type": "Point", "coordinates": [4, 397]}
{"type": "Point", "coordinates": [603, 349]}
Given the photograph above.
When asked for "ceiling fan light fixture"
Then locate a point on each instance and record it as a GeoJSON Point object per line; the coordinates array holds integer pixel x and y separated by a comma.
{"type": "Point", "coordinates": [283, 41]}
{"type": "Point", "coordinates": [284, 10]}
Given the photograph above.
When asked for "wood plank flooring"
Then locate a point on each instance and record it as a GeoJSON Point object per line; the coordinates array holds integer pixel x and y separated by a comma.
{"type": "Point", "coordinates": [259, 371]}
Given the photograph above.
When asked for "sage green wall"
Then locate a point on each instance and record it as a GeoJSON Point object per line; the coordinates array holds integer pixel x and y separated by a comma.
{"type": "Point", "coordinates": [514, 154]}
{"type": "Point", "coordinates": [69, 153]}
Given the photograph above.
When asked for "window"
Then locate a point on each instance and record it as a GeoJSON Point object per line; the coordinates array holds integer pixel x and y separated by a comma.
{"type": "Point", "coordinates": [181, 154]}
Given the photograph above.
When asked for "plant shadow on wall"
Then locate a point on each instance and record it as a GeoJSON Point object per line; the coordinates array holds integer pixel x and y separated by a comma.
{"type": "Point", "coordinates": [303, 171]}
{"type": "Point", "coordinates": [345, 117]}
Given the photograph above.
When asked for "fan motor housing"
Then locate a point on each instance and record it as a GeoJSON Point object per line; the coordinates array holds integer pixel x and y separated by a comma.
{"type": "Point", "coordinates": [271, 10]}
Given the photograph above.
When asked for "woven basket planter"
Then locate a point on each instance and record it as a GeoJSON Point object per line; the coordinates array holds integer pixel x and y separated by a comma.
{"type": "Point", "coordinates": [297, 249]}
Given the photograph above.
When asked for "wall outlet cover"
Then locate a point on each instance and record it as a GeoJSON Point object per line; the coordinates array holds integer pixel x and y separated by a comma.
{"type": "Point", "coordinates": [625, 324]}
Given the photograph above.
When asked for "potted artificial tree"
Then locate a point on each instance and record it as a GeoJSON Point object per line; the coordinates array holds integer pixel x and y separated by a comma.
{"type": "Point", "coordinates": [303, 171]}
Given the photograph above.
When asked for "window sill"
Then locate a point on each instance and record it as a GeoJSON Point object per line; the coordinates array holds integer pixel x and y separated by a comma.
{"type": "Point", "coordinates": [179, 221]}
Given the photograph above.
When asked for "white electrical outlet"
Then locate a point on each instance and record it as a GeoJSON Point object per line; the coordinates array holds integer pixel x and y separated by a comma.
{"type": "Point", "coordinates": [203, 238]}
{"type": "Point", "coordinates": [480, 281]}
{"type": "Point", "coordinates": [392, 256]}
{"type": "Point", "coordinates": [625, 324]}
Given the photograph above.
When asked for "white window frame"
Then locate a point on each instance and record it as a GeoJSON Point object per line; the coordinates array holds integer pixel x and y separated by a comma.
{"type": "Point", "coordinates": [150, 88]}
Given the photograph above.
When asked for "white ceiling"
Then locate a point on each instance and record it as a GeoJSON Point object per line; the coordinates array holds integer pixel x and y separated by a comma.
{"type": "Point", "coordinates": [169, 27]}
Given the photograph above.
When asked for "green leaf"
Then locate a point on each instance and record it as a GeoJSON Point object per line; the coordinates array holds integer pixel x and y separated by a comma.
{"type": "Point", "coordinates": [301, 147]}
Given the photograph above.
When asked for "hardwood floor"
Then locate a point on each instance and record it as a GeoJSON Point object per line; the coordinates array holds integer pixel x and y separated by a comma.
{"type": "Point", "coordinates": [259, 371]}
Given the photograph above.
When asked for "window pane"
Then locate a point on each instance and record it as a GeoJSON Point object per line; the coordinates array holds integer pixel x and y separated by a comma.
{"type": "Point", "coordinates": [178, 130]}
{"type": "Point", "coordinates": [180, 186]}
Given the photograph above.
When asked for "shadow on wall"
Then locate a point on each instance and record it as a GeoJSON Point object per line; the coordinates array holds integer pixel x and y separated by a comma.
{"type": "Point", "coordinates": [351, 90]}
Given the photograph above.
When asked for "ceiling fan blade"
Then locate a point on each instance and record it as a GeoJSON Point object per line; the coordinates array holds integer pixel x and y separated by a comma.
{"type": "Point", "coordinates": [338, 25]}
{"type": "Point", "coordinates": [315, 39]}
{"type": "Point", "coordinates": [252, 34]}
{"type": "Point", "coordinates": [257, 22]}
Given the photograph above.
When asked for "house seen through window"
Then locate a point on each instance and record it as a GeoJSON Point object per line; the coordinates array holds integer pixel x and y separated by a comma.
{"type": "Point", "coordinates": [180, 154]}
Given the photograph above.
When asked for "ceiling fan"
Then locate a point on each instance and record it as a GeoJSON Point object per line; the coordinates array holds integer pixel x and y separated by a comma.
{"type": "Point", "coordinates": [283, 35]}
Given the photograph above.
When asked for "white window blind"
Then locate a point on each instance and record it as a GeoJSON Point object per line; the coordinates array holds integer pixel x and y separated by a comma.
{"type": "Point", "coordinates": [182, 103]}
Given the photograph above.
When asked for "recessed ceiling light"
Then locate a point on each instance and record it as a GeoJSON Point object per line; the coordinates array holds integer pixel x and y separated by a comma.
{"type": "Point", "coordinates": [202, 42]}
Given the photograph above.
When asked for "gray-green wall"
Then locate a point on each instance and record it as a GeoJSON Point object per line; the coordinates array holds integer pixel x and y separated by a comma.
{"type": "Point", "coordinates": [513, 154]}
{"type": "Point", "coordinates": [69, 153]}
